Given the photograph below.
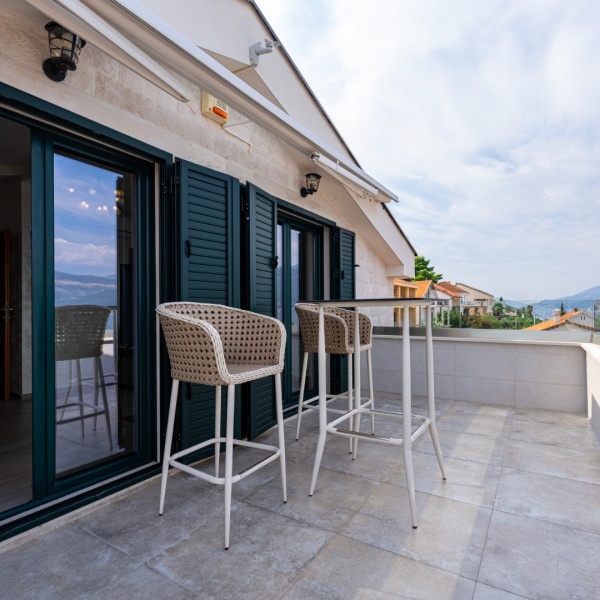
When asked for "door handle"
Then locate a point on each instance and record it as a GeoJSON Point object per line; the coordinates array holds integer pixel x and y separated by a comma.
{"type": "Point", "coordinates": [7, 311]}
{"type": "Point", "coordinates": [188, 248]}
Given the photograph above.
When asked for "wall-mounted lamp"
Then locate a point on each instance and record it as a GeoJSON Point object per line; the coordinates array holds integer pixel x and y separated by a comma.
{"type": "Point", "coordinates": [312, 184]}
{"type": "Point", "coordinates": [65, 47]}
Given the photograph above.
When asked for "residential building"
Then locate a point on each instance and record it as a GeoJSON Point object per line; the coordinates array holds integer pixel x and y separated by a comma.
{"type": "Point", "coordinates": [441, 300]}
{"type": "Point", "coordinates": [176, 162]}
{"type": "Point", "coordinates": [405, 289]}
{"type": "Point", "coordinates": [459, 296]}
{"type": "Point", "coordinates": [572, 320]}
{"type": "Point", "coordinates": [477, 302]}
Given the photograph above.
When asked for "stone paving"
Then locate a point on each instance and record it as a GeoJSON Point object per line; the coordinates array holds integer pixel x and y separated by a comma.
{"type": "Point", "coordinates": [518, 517]}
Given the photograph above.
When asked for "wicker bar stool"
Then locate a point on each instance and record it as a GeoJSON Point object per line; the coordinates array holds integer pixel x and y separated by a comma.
{"type": "Point", "coordinates": [79, 333]}
{"type": "Point", "coordinates": [218, 345]}
{"type": "Point", "coordinates": [339, 327]}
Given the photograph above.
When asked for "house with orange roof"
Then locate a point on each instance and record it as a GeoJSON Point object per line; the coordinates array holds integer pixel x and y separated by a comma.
{"type": "Point", "coordinates": [574, 320]}
{"type": "Point", "coordinates": [442, 299]}
{"type": "Point", "coordinates": [459, 296]}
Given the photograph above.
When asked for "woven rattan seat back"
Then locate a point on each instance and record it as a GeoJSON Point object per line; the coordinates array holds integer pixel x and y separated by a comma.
{"type": "Point", "coordinates": [339, 325]}
{"type": "Point", "coordinates": [219, 345]}
{"type": "Point", "coordinates": [206, 342]}
{"type": "Point", "coordinates": [339, 339]}
{"type": "Point", "coordinates": [79, 331]}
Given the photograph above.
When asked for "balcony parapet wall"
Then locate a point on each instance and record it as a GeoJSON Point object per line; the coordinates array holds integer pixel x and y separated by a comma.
{"type": "Point", "coordinates": [473, 367]}
{"type": "Point", "coordinates": [592, 352]}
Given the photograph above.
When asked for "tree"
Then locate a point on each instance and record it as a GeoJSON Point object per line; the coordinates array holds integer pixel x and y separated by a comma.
{"type": "Point", "coordinates": [480, 322]}
{"type": "Point", "coordinates": [424, 272]}
{"type": "Point", "coordinates": [529, 311]}
{"type": "Point", "coordinates": [562, 309]}
{"type": "Point", "coordinates": [498, 309]}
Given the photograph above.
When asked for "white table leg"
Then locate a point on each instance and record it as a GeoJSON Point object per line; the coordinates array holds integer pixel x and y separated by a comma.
{"type": "Point", "coordinates": [431, 391]}
{"type": "Point", "coordinates": [322, 401]}
{"type": "Point", "coordinates": [357, 396]}
{"type": "Point", "coordinates": [406, 420]}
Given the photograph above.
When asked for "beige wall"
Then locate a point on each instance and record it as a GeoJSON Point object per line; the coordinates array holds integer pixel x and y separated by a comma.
{"type": "Point", "coordinates": [106, 92]}
{"type": "Point", "coordinates": [203, 22]}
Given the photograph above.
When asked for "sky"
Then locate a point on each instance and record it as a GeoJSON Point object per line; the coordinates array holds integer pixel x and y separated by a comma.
{"type": "Point", "coordinates": [482, 117]}
{"type": "Point", "coordinates": [84, 218]}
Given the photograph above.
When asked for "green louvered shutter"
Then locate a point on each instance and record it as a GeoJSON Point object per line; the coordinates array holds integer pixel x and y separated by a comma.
{"type": "Point", "coordinates": [210, 233]}
{"type": "Point", "coordinates": [347, 265]}
{"type": "Point", "coordinates": [261, 264]}
{"type": "Point", "coordinates": [343, 287]}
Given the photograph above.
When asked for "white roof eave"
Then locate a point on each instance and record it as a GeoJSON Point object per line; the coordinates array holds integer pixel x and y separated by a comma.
{"type": "Point", "coordinates": [164, 46]}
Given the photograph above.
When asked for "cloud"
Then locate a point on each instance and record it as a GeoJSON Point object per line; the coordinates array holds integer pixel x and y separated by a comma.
{"type": "Point", "coordinates": [84, 259]}
{"type": "Point", "coordinates": [482, 117]}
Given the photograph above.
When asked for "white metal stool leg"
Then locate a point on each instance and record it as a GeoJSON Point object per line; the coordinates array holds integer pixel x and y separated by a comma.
{"type": "Point", "coordinates": [350, 396]}
{"type": "Point", "coordinates": [96, 386]}
{"type": "Point", "coordinates": [217, 427]}
{"type": "Point", "coordinates": [168, 442]}
{"type": "Point", "coordinates": [69, 386]}
{"type": "Point", "coordinates": [322, 406]}
{"type": "Point", "coordinates": [301, 396]}
{"type": "Point", "coordinates": [281, 432]}
{"type": "Point", "coordinates": [229, 459]}
{"type": "Point", "coordinates": [80, 390]}
{"type": "Point", "coordinates": [100, 372]}
{"type": "Point", "coordinates": [371, 393]}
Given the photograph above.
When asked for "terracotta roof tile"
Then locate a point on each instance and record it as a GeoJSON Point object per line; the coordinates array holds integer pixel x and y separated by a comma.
{"type": "Point", "coordinates": [552, 324]}
{"type": "Point", "coordinates": [422, 288]}
{"type": "Point", "coordinates": [446, 285]}
{"type": "Point", "coordinates": [447, 290]}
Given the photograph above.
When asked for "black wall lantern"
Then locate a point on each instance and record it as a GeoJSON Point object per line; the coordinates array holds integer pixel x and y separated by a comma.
{"type": "Point", "coordinates": [312, 184]}
{"type": "Point", "coordinates": [65, 47]}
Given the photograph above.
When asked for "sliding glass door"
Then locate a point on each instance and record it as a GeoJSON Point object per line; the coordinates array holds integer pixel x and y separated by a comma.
{"type": "Point", "coordinates": [299, 279]}
{"type": "Point", "coordinates": [95, 312]}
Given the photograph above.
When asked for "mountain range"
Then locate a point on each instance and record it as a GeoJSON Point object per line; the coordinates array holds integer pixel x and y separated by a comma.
{"type": "Point", "coordinates": [84, 289]}
{"type": "Point", "coordinates": [543, 308]}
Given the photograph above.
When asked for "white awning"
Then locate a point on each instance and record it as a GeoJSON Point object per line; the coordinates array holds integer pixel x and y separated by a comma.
{"type": "Point", "coordinates": [348, 179]}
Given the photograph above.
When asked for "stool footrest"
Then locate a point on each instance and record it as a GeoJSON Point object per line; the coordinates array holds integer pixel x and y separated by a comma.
{"type": "Point", "coordinates": [333, 426]}
{"type": "Point", "coordinates": [97, 410]}
{"type": "Point", "coordinates": [308, 404]}
{"type": "Point", "coordinates": [173, 462]}
{"type": "Point", "coordinates": [369, 436]}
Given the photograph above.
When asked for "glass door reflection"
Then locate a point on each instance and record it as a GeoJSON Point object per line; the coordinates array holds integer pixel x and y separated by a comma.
{"type": "Point", "coordinates": [94, 313]}
{"type": "Point", "coordinates": [297, 280]}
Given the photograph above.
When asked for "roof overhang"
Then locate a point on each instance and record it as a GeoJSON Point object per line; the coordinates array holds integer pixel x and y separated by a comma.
{"type": "Point", "coordinates": [136, 37]}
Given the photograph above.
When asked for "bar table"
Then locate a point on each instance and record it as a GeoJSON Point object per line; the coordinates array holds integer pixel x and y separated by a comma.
{"type": "Point", "coordinates": [353, 416]}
